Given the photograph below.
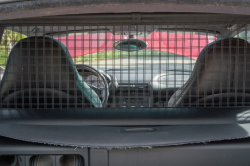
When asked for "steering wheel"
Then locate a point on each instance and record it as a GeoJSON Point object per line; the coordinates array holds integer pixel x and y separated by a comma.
{"type": "Point", "coordinates": [97, 81]}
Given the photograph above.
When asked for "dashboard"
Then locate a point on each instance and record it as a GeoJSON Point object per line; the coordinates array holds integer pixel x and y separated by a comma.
{"type": "Point", "coordinates": [135, 88]}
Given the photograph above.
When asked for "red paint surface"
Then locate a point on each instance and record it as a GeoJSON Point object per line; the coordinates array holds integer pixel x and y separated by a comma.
{"type": "Point", "coordinates": [178, 43]}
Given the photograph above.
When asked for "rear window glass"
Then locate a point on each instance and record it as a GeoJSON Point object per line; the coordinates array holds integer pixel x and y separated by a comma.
{"type": "Point", "coordinates": [123, 66]}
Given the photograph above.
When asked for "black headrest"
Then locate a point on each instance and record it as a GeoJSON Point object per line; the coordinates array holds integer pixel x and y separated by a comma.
{"type": "Point", "coordinates": [222, 67]}
{"type": "Point", "coordinates": [41, 68]}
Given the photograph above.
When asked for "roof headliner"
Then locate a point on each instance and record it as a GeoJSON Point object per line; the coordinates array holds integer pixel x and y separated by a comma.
{"type": "Point", "coordinates": [217, 23]}
{"type": "Point", "coordinates": [36, 8]}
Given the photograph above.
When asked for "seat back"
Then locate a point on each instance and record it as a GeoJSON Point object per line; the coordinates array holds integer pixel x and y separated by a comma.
{"type": "Point", "coordinates": [221, 73]}
{"type": "Point", "coordinates": [40, 74]}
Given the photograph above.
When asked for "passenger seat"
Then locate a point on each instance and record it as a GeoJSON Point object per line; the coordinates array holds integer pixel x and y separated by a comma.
{"type": "Point", "coordinates": [221, 77]}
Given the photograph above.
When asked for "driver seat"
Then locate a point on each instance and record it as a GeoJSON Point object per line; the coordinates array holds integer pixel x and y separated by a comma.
{"type": "Point", "coordinates": [40, 74]}
{"type": "Point", "coordinates": [220, 78]}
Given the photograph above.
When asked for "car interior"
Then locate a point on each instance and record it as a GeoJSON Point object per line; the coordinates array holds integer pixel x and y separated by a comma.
{"type": "Point", "coordinates": [78, 92]}
{"type": "Point", "coordinates": [148, 68]}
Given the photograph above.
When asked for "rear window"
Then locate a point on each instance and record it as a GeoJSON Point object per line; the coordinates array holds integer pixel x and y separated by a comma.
{"type": "Point", "coordinates": [167, 65]}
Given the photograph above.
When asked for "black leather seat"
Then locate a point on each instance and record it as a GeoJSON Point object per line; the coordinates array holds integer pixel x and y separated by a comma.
{"type": "Point", "coordinates": [220, 78]}
{"type": "Point", "coordinates": [40, 74]}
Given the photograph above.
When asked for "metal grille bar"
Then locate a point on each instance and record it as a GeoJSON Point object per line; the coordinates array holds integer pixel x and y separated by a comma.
{"type": "Point", "coordinates": [125, 65]}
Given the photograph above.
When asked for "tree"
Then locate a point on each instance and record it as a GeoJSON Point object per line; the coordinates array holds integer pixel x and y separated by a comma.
{"type": "Point", "coordinates": [9, 38]}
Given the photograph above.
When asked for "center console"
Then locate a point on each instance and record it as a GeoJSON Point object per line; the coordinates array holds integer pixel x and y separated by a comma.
{"type": "Point", "coordinates": [133, 95]}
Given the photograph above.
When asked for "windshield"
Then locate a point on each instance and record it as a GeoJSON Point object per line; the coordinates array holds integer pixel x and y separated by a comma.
{"type": "Point", "coordinates": [165, 51]}
{"type": "Point", "coordinates": [122, 68]}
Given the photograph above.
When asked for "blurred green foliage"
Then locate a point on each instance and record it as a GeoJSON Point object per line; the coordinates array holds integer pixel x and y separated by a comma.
{"type": "Point", "coordinates": [9, 38]}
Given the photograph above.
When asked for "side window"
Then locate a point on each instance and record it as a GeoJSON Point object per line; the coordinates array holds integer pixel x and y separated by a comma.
{"type": "Point", "coordinates": [244, 35]}
{"type": "Point", "coordinates": [9, 38]}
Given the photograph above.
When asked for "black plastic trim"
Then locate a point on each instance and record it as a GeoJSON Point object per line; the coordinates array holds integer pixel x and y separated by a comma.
{"type": "Point", "coordinates": [126, 116]}
{"type": "Point", "coordinates": [228, 153]}
{"type": "Point", "coordinates": [40, 8]}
